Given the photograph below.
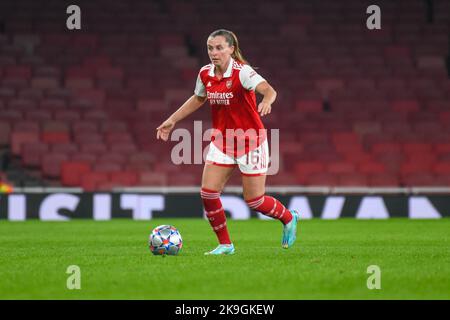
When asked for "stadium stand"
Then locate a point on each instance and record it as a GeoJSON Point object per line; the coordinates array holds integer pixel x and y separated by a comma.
{"type": "Point", "coordinates": [355, 107]}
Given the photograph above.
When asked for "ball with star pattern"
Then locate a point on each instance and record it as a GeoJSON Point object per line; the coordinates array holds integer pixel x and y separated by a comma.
{"type": "Point", "coordinates": [165, 240]}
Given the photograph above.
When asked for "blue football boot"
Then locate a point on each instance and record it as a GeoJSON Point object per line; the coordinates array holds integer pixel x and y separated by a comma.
{"type": "Point", "coordinates": [222, 249]}
{"type": "Point", "coordinates": [290, 230]}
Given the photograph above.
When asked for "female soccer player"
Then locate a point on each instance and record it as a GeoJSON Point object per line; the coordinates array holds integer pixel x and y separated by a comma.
{"type": "Point", "coordinates": [238, 139]}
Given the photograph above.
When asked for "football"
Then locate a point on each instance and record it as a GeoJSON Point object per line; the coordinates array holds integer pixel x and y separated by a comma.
{"type": "Point", "coordinates": [165, 240]}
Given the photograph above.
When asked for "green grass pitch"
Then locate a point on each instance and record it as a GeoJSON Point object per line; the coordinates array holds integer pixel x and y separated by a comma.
{"type": "Point", "coordinates": [328, 261]}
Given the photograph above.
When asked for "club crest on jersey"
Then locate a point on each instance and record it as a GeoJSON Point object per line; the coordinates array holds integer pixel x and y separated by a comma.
{"type": "Point", "coordinates": [229, 84]}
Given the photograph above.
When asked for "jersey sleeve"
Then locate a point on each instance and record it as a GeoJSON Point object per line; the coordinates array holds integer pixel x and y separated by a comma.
{"type": "Point", "coordinates": [199, 87]}
{"type": "Point", "coordinates": [250, 78]}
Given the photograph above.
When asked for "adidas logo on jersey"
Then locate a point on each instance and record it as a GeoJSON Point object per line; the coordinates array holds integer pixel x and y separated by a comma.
{"type": "Point", "coordinates": [209, 84]}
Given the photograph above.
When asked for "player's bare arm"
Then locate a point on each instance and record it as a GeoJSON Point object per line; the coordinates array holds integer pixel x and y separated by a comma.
{"type": "Point", "coordinates": [190, 106]}
{"type": "Point", "coordinates": [269, 94]}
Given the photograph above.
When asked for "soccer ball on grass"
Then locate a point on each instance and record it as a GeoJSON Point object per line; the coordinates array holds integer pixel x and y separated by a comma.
{"type": "Point", "coordinates": [164, 240]}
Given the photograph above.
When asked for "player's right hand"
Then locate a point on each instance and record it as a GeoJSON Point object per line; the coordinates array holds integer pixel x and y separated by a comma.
{"type": "Point", "coordinates": [162, 132]}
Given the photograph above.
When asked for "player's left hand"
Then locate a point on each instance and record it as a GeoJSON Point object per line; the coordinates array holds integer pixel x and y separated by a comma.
{"type": "Point", "coordinates": [264, 108]}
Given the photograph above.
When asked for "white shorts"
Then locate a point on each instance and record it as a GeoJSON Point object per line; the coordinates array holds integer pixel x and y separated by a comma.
{"type": "Point", "coordinates": [254, 163]}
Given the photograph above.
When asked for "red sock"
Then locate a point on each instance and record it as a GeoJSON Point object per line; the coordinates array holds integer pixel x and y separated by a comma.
{"type": "Point", "coordinates": [270, 207]}
{"type": "Point", "coordinates": [215, 214]}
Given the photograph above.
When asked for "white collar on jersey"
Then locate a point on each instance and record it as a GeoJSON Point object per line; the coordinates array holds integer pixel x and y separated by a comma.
{"type": "Point", "coordinates": [227, 73]}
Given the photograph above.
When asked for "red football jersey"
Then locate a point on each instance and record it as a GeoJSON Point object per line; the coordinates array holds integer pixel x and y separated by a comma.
{"type": "Point", "coordinates": [237, 125]}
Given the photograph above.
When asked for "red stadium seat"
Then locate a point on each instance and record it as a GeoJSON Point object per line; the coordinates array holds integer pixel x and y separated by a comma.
{"type": "Point", "coordinates": [91, 180]}
{"type": "Point", "coordinates": [32, 153]}
{"type": "Point", "coordinates": [124, 148]}
{"type": "Point", "coordinates": [124, 178]}
{"type": "Point", "coordinates": [76, 83]}
{"type": "Point", "coordinates": [391, 161]}
{"type": "Point", "coordinates": [327, 85]}
{"type": "Point", "coordinates": [94, 148]}
{"type": "Point", "coordinates": [88, 138]}
{"type": "Point", "coordinates": [281, 179]}
{"type": "Point", "coordinates": [309, 106]}
{"type": "Point", "coordinates": [84, 157]}
{"type": "Point", "coordinates": [72, 171]}
{"type": "Point", "coordinates": [442, 180]}
{"type": "Point", "coordinates": [18, 72]}
{"type": "Point", "coordinates": [19, 138]}
{"type": "Point", "coordinates": [352, 180]}
{"type": "Point", "coordinates": [55, 126]}
{"type": "Point", "coordinates": [365, 127]}
{"type": "Point", "coordinates": [85, 40]}
{"type": "Point", "coordinates": [433, 63]}
{"type": "Point", "coordinates": [345, 138]}
{"type": "Point", "coordinates": [109, 73]}
{"type": "Point", "coordinates": [409, 168]}
{"type": "Point", "coordinates": [372, 168]}
{"type": "Point", "coordinates": [99, 61]}
{"type": "Point", "coordinates": [79, 71]}
{"type": "Point", "coordinates": [138, 167]}
{"type": "Point", "coordinates": [84, 126]}
{"type": "Point", "coordinates": [66, 115]}
{"type": "Point", "coordinates": [153, 178]}
{"type": "Point", "coordinates": [38, 116]}
{"type": "Point", "coordinates": [51, 164]}
{"type": "Point", "coordinates": [383, 180]}
{"type": "Point", "coordinates": [21, 104]}
{"type": "Point", "coordinates": [112, 138]}
{"type": "Point", "coordinates": [340, 167]}
{"type": "Point", "coordinates": [423, 158]}
{"type": "Point", "coordinates": [382, 148]}
{"type": "Point", "coordinates": [397, 51]}
{"type": "Point", "coordinates": [26, 40]}
{"type": "Point", "coordinates": [307, 168]}
{"type": "Point", "coordinates": [45, 82]}
{"type": "Point", "coordinates": [142, 157]}
{"type": "Point", "coordinates": [53, 103]}
{"type": "Point", "coordinates": [321, 179]}
{"type": "Point", "coordinates": [442, 148]}
{"type": "Point", "coordinates": [5, 130]}
{"type": "Point", "coordinates": [442, 168]}
{"type": "Point", "coordinates": [356, 156]}
{"type": "Point", "coordinates": [67, 148]}
{"type": "Point", "coordinates": [184, 179]}
{"type": "Point", "coordinates": [420, 179]}
{"type": "Point", "coordinates": [176, 96]}
{"type": "Point", "coordinates": [95, 96]}
{"type": "Point", "coordinates": [99, 115]}
{"type": "Point", "coordinates": [27, 126]}
{"type": "Point", "coordinates": [48, 71]}
{"type": "Point", "coordinates": [11, 115]}
{"type": "Point", "coordinates": [112, 157]}
{"type": "Point", "coordinates": [151, 105]}
{"type": "Point", "coordinates": [107, 166]}
{"type": "Point", "coordinates": [55, 137]}
{"type": "Point", "coordinates": [405, 106]}
{"type": "Point", "coordinates": [105, 186]}
{"type": "Point", "coordinates": [417, 148]}
{"type": "Point", "coordinates": [31, 94]}
{"type": "Point", "coordinates": [114, 127]}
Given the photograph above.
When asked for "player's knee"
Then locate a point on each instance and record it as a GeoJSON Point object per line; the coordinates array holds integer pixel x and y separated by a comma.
{"type": "Point", "coordinates": [254, 201]}
{"type": "Point", "coordinates": [209, 193]}
{"type": "Point", "coordinates": [214, 186]}
{"type": "Point", "coordinates": [250, 197]}
{"type": "Point", "coordinates": [253, 193]}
